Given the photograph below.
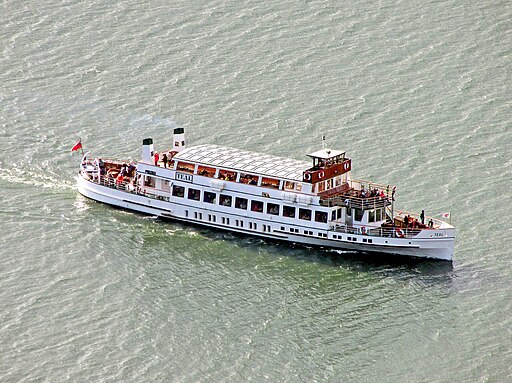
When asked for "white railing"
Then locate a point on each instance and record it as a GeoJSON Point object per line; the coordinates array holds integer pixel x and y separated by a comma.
{"type": "Point", "coordinates": [127, 186]}
{"type": "Point", "coordinates": [388, 232]}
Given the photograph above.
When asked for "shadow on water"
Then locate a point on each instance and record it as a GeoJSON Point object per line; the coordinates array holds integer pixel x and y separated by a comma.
{"type": "Point", "coordinates": [398, 267]}
{"type": "Point", "coordinates": [357, 261]}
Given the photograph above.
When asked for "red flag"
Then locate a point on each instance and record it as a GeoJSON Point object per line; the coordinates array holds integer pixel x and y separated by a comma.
{"type": "Point", "coordinates": [77, 146]}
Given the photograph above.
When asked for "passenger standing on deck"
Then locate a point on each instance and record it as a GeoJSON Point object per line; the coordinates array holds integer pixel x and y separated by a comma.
{"type": "Point", "coordinates": [157, 157]}
{"type": "Point", "coordinates": [164, 159]}
{"type": "Point", "coordinates": [422, 217]}
{"type": "Point", "coordinates": [131, 169]}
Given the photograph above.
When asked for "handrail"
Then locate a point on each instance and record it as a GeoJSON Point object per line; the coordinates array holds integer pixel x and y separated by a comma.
{"type": "Point", "coordinates": [363, 203]}
{"type": "Point", "coordinates": [379, 231]}
{"type": "Point", "coordinates": [130, 187]}
{"type": "Point", "coordinates": [373, 185]}
{"type": "Point", "coordinates": [127, 186]}
{"type": "Point", "coordinates": [403, 213]}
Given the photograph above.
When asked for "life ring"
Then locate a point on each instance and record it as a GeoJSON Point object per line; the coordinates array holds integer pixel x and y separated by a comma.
{"type": "Point", "coordinates": [345, 166]}
{"type": "Point", "coordinates": [400, 233]}
{"type": "Point", "coordinates": [307, 176]}
{"type": "Point", "coordinates": [321, 174]}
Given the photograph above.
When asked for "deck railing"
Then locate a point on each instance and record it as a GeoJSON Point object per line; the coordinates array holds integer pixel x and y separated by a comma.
{"type": "Point", "coordinates": [128, 186]}
{"type": "Point", "coordinates": [350, 195]}
{"type": "Point", "coordinates": [363, 203]}
{"type": "Point", "coordinates": [402, 213]}
{"type": "Point", "coordinates": [378, 232]}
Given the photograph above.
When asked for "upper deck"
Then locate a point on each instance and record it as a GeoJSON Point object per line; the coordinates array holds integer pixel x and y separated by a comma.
{"type": "Point", "coordinates": [244, 161]}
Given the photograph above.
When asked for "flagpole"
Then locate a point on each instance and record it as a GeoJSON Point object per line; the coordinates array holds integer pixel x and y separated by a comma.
{"type": "Point", "coordinates": [81, 147]}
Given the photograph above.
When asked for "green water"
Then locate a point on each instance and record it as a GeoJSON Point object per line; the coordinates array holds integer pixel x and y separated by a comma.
{"type": "Point", "coordinates": [417, 93]}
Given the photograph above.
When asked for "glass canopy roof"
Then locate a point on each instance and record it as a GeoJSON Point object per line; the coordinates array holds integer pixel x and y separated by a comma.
{"type": "Point", "coordinates": [244, 161]}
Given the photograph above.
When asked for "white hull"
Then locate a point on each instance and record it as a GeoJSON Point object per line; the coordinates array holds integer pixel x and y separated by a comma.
{"type": "Point", "coordinates": [423, 245]}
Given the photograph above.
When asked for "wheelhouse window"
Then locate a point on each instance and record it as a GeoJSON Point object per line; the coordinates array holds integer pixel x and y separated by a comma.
{"type": "Point", "coordinates": [272, 208]}
{"type": "Point", "coordinates": [320, 216]}
{"type": "Point", "coordinates": [270, 183]}
{"type": "Point", "coordinates": [248, 179]}
{"type": "Point", "coordinates": [206, 171]}
{"type": "Point", "coordinates": [209, 197]}
{"type": "Point", "coordinates": [185, 167]}
{"type": "Point", "coordinates": [225, 200]}
{"type": "Point", "coordinates": [178, 191]}
{"type": "Point", "coordinates": [358, 214]}
{"type": "Point", "coordinates": [194, 194]}
{"type": "Point", "coordinates": [305, 214]}
{"type": "Point", "coordinates": [257, 206]}
{"type": "Point", "coordinates": [378, 215]}
{"type": "Point", "coordinates": [371, 216]}
{"type": "Point", "coordinates": [227, 175]}
{"type": "Point", "coordinates": [241, 203]}
{"type": "Point", "coordinates": [288, 211]}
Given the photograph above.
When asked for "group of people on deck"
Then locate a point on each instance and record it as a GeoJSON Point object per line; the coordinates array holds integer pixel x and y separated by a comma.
{"type": "Point", "coordinates": [411, 222]}
{"type": "Point", "coordinates": [368, 193]}
{"type": "Point", "coordinates": [120, 176]}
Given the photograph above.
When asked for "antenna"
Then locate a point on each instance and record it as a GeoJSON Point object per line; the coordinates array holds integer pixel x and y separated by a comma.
{"type": "Point", "coordinates": [323, 141]}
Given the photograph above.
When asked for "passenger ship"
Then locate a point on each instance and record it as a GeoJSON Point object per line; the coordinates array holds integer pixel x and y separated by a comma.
{"type": "Point", "coordinates": [314, 203]}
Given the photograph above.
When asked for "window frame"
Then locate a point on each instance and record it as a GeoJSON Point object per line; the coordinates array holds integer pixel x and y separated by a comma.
{"type": "Point", "coordinates": [271, 205]}
{"type": "Point", "coordinates": [225, 197]}
{"type": "Point", "coordinates": [239, 201]}
{"type": "Point", "coordinates": [305, 211]}
{"type": "Point", "coordinates": [176, 187]}
{"type": "Point", "coordinates": [286, 207]}
{"type": "Point", "coordinates": [195, 190]}
{"type": "Point", "coordinates": [257, 206]}
{"type": "Point", "coordinates": [209, 194]}
{"type": "Point", "coordinates": [323, 214]}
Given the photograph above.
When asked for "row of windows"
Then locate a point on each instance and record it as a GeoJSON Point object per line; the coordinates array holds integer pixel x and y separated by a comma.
{"type": "Point", "coordinates": [255, 205]}
{"type": "Point", "coordinates": [354, 239]}
{"type": "Point", "coordinates": [373, 215]}
{"type": "Point", "coordinates": [226, 221]}
{"type": "Point", "coordinates": [306, 232]}
{"type": "Point", "coordinates": [229, 175]}
{"type": "Point", "coordinates": [268, 228]}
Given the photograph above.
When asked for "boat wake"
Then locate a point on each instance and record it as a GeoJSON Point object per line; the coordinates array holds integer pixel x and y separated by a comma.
{"type": "Point", "coordinates": [41, 176]}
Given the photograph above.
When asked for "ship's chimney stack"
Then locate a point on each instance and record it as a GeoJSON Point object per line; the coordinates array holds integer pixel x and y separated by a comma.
{"type": "Point", "coordinates": [178, 140]}
{"type": "Point", "coordinates": [148, 151]}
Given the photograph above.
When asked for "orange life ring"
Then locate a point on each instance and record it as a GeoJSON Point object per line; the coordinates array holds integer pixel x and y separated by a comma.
{"type": "Point", "coordinates": [307, 176]}
{"type": "Point", "coordinates": [400, 233]}
{"type": "Point", "coordinates": [321, 174]}
{"type": "Point", "coordinates": [345, 166]}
